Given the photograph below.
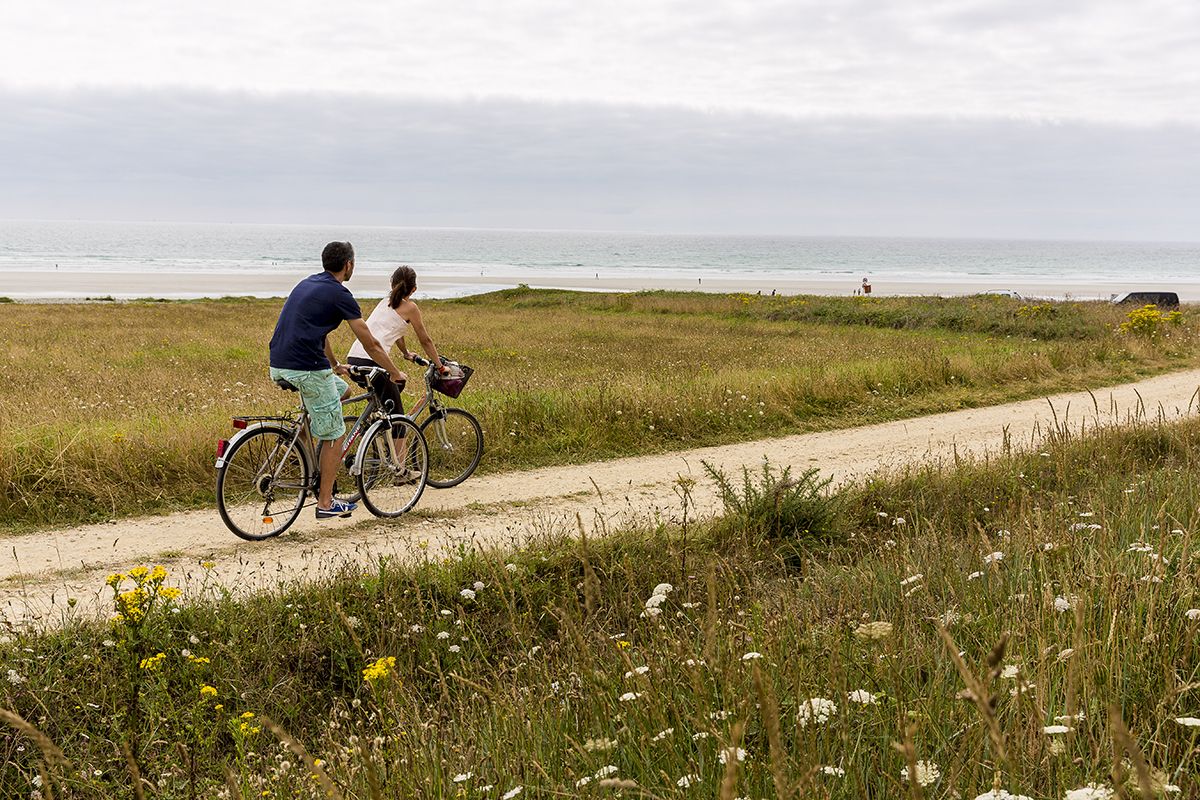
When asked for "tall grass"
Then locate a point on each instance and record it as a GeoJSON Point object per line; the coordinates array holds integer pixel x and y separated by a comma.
{"type": "Point", "coordinates": [114, 409]}
{"type": "Point", "coordinates": [1023, 625]}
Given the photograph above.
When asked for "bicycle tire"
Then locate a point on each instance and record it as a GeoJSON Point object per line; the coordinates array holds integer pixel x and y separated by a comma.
{"type": "Point", "coordinates": [257, 466]}
{"type": "Point", "coordinates": [382, 496]}
{"type": "Point", "coordinates": [345, 486]}
{"type": "Point", "coordinates": [453, 456]}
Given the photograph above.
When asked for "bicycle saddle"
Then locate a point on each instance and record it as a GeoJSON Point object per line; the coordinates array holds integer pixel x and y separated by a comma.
{"type": "Point", "coordinates": [286, 385]}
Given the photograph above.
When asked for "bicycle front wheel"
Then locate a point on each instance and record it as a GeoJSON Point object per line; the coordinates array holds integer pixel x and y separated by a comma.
{"type": "Point", "coordinates": [395, 466]}
{"type": "Point", "coordinates": [261, 488]}
{"type": "Point", "coordinates": [455, 441]}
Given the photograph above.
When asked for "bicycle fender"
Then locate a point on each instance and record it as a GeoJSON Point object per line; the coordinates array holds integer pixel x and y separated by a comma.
{"type": "Point", "coordinates": [244, 432]}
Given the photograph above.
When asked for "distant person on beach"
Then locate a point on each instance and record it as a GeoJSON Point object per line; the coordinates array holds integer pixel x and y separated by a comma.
{"type": "Point", "coordinates": [301, 355]}
{"type": "Point", "coordinates": [866, 286]}
{"type": "Point", "coordinates": [391, 320]}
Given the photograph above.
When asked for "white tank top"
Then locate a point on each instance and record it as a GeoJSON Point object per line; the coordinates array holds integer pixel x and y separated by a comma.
{"type": "Point", "coordinates": [386, 325]}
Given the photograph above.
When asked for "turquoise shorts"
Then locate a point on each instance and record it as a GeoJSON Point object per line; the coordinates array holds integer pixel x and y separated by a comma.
{"type": "Point", "coordinates": [321, 392]}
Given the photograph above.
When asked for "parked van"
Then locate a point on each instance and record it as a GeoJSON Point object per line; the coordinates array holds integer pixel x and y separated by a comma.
{"type": "Point", "coordinates": [1165, 300]}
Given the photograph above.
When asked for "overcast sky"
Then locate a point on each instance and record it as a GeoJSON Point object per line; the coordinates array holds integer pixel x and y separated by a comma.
{"type": "Point", "coordinates": [1071, 119]}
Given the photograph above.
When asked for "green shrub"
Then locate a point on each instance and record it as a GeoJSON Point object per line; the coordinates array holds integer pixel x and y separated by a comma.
{"type": "Point", "coordinates": [776, 505]}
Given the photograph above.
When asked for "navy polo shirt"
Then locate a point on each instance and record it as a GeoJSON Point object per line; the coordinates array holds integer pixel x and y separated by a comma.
{"type": "Point", "coordinates": [316, 306]}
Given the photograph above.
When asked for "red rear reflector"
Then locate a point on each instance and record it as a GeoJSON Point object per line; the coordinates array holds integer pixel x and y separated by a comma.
{"type": "Point", "coordinates": [268, 520]}
{"type": "Point", "coordinates": [240, 424]}
{"type": "Point", "coordinates": [222, 445]}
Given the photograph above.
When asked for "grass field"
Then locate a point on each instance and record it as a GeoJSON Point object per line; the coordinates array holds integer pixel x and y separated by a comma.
{"type": "Point", "coordinates": [114, 409]}
{"type": "Point", "coordinates": [1026, 626]}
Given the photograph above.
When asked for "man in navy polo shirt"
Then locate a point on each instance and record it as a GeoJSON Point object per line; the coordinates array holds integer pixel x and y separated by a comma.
{"type": "Point", "coordinates": [301, 355]}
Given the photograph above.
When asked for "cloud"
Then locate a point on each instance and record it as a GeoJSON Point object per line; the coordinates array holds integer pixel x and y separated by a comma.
{"type": "Point", "coordinates": [323, 158]}
{"type": "Point", "coordinates": [1093, 60]}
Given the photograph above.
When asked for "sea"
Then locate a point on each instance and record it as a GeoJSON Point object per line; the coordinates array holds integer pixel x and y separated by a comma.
{"type": "Point", "coordinates": [541, 257]}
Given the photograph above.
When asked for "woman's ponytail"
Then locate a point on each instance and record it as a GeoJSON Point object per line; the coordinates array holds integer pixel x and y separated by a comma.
{"type": "Point", "coordinates": [404, 283]}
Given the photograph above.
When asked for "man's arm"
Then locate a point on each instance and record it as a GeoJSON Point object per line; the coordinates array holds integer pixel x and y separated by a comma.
{"type": "Point", "coordinates": [374, 349]}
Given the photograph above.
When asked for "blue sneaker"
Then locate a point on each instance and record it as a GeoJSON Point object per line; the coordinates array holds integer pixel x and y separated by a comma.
{"type": "Point", "coordinates": [338, 509]}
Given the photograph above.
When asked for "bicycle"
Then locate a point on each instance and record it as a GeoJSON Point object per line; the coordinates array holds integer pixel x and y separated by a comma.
{"type": "Point", "coordinates": [267, 470]}
{"type": "Point", "coordinates": [454, 436]}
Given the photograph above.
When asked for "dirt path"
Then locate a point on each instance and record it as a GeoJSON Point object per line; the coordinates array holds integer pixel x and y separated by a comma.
{"type": "Point", "coordinates": [42, 573]}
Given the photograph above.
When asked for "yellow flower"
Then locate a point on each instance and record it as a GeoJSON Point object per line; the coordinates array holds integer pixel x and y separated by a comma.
{"type": "Point", "coordinates": [622, 644]}
{"type": "Point", "coordinates": [169, 592]}
{"type": "Point", "coordinates": [380, 669]}
{"type": "Point", "coordinates": [153, 662]}
{"type": "Point", "coordinates": [114, 580]}
{"type": "Point", "coordinates": [247, 715]}
{"type": "Point", "coordinates": [208, 691]}
{"type": "Point", "coordinates": [159, 573]}
{"type": "Point", "coordinates": [139, 573]}
{"type": "Point", "coordinates": [208, 564]}
{"type": "Point", "coordinates": [199, 659]}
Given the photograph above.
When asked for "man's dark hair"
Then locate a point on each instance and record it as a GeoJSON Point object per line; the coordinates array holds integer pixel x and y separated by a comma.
{"type": "Point", "coordinates": [336, 256]}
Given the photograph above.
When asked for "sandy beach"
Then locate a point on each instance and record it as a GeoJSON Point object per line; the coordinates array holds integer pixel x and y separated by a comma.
{"type": "Point", "coordinates": [73, 285]}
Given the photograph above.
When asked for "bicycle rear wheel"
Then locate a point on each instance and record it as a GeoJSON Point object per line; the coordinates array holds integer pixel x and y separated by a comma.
{"type": "Point", "coordinates": [262, 487]}
{"type": "Point", "coordinates": [392, 485]}
{"type": "Point", "coordinates": [455, 441]}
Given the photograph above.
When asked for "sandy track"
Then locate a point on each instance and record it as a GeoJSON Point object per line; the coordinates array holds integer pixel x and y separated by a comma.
{"type": "Point", "coordinates": [41, 572]}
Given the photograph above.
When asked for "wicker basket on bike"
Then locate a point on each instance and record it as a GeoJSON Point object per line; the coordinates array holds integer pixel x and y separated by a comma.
{"type": "Point", "coordinates": [453, 381]}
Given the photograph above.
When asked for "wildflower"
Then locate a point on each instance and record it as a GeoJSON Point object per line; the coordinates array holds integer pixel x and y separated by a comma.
{"type": "Point", "coordinates": [139, 573]}
{"type": "Point", "coordinates": [467, 594]}
{"type": "Point", "coordinates": [873, 630]}
{"type": "Point", "coordinates": [731, 752]}
{"type": "Point", "coordinates": [815, 710]}
{"type": "Point", "coordinates": [629, 697]}
{"type": "Point", "coordinates": [599, 745]}
{"type": "Point", "coordinates": [861, 696]}
{"type": "Point", "coordinates": [1010, 672]}
{"type": "Point", "coordinates": [1053, 730]}
{"type": "Point", "coordinates": [658, 737]}
{"type": "Point", "coordinates": [1000, 794]}
{"type": "Point", "coordinates": [663, 588]}
{"type": "Point", "coordinates": [511, 793]}
{"type": "Point", "coordinates": [911, 579]}
{"type": "Point", "coordinates": [443, 635]}
{"type": "Point", "coordinates": [1065, 654]}
{"type": "Point", "coordinates": [993, 558]}
{"type": "Point", "coordinates": [1062, 604]}
{"type": "Point", "coordinates": [687, 781]}
{"type": "Point", "coordinates": [604, 772]}
{"type": "Point", "coordinates": [698, 736]}
{"type": "Point", "coordinates": [417, 629]}
{"type": "Point", "coordinates": [1092, 791]}
{"type": "Point", "coordinates": [114, 580]}
{"type": "Point", "coordinates": [836, 772]}
{"type": "Point", "coordinates": [751, 656]}
{"type": "Point", "coordinates": [622, 644]}
{"type": "Point", "coordinates": [1057, 747]}
{"type": "Point", "coordinates": [208, 691]}
{"type": "Point", "coordinates": [15, 678]}
{"type": "Point", "coordinates": [455, 648]}
{"type": "Point", "coordinates": [637, 671]}
{"type": "Point", "coordinates": [208, 564]}
{"type": "Point", "coordinates": [584, 781]}
{"type": "Point", "coordinates": [1188, 722]}
{"type": "Point", "coordinates": [463, 777]}
{"type": "Point", "coordinates": [656, 600]}
{"type": "Point", "coordinates": [974, 576]}
{"type": "Point", "coordinates": [381, 668]}
{"type": "Point", "coordinates": [151, 663]}
{"type": "Point", "coordinates": [199, 659]}
{"type": "Point", "coordinates": [170, 592]}
{"type": "Point", "coordinates": [510, 567]}
{"type": "Point", "coordinates": [1192, 613]}
{"type": "Point", "coordinates": [479, 586]}
{"type": "Point", "coordinates": [927, 773]}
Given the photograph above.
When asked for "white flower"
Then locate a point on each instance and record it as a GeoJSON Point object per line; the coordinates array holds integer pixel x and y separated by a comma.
{"type": "Point", "coordinates": [663, 588]}
{"type": "Point", "coordinates": [604, 772]}
{"type": "Point", "coordinates": [698, 736]}
{"type": "Point", "coordinates": [751, 656]}
{"type": "Point", "coordinates": [599, 745]}
{"type": "Point", "coordinates": [443, 635]}
{"type": "Point", "coordinates": [1010, 672]}
{"type": "Point", "coordinates": [36, 780]}
{"type": "Point", "coordinates": [658, 737]}
{"type": "Point", "coordinates": [861, 696]}
{"type": "Point", "coordinates": [656, 600]}
{"type": "Point", "coordinates": [993, 558]}
{"type": "Point", "coordinates": [836, 772]}
{"type": "Point", "coordinates": [927, 773]}
{"type": "Point", "coordinates": [687, 780]}
{"type": "Point", "coordinates": [898, 521]}
{"type": "Point", "coordinates": [1001, 794]}
{"type": "Point", "coordinates": [417, 628]}
{"type": "Point", "coordinates": [462, 777]}
{"type": "Point", "coordinates": [974, 576]}
{"type": "Point", "coordinates": [637, 671]}
{"type": "Point", "coordinates": [478, 586]}
{"type": "Point", "coordinates": [719, 716]}
{"type": "Point", "coordinates": [584, 781]}
{"type": "Point", "coordinates": [511, 793]}
{"type": "Point", "coordinates": [510, 567]}
{"type": "Point", "coordinates": [467, 594]}
{"type": "Point", "coordinates": [1192, 613]}
{"type": "Point", "coordinates": [1056, 729]}
{"type": "Point", "coordinates": [651, 612]}
{"type": "Point", "coordinates": [873, 630]}
{"type": "Point", "coordinates": [629, 697]}
{"type": "Point", "coordinates": [911, 579]}
{"type": "Point", "coordinates": [1092, 791]}
{"type": "Point", "coordinates": [815, 710]}
{"type": "Point", "coordinates": [1063, 604]}
{"type": "Point", "coordinates": [731, 752]}
{"type": "Point", "coordinates": [445, 612]}
{"type": "Point", "coordinates": [1188, 722]}
{"type": "Point", "coordinates": [455, 648]}
{"type": "Point", "coordinates": [15, 678]}
{"type": "Point", "coordinates": [1065, 654]}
